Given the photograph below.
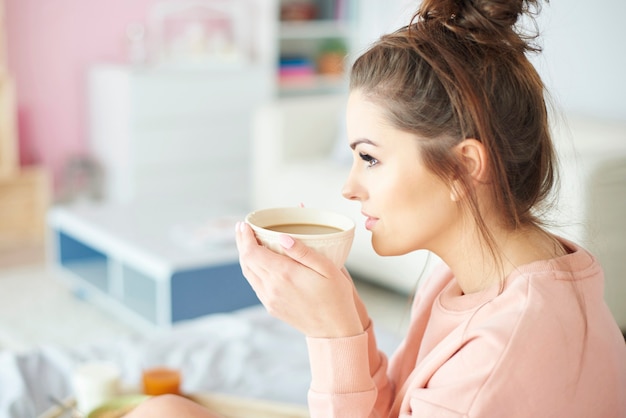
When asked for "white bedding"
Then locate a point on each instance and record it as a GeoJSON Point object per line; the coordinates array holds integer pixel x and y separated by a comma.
{"type": "Point", "coordinates": [245, 353]}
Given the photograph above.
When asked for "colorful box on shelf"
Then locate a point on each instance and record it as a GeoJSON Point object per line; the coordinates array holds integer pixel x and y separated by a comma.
{"type": "Point", "coordinates": [296, 70]}
{"type": "Point", "coordinates": [296, 65]}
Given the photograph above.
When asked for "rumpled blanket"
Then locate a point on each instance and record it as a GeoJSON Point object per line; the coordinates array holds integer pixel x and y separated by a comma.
{"type": "Point", "coordinates": [243, 353]}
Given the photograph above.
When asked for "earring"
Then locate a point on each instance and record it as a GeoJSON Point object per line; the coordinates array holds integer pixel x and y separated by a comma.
{"type": "Point", "coordinates": [455, 194]}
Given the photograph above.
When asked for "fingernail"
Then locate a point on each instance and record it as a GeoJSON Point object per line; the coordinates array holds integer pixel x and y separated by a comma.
{"type": "Point", "coordinates": [237, 226]}
{"type": "Point", "coordinates": [286, 241]}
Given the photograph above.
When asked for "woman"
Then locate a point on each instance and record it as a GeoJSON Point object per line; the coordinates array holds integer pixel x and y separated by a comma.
{"type": "Point", "coordinates": [452, 153]}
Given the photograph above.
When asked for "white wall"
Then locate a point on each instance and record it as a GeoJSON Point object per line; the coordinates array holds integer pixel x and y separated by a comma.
{"type": "Point", "coordinates": [584, 58]}
{"type": "Point", "coordinates": [376, 17]}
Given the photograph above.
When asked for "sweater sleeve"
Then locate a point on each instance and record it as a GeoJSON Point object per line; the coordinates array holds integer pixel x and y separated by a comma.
{"type": "Point", "coordinates": [348, 377]}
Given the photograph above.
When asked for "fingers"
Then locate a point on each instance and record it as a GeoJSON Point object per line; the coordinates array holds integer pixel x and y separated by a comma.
{"type": "Point", "coordinates": [250, 259]}
{"type": "Point", "coordinates": [358, 302]}
{"type": "Point", "coordinates": [306, 256]}
{"type": "Point", "coordinates": [294, 249]}
{"type": "Point", "coordinates": [247, 244]}
{"type": "Point", "coordinates": [301, 287]}
{"type": "Point", "coordinates": [243, 236]}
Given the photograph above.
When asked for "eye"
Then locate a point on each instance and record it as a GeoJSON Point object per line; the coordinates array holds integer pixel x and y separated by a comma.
{"type": "Point", "coordinates": [371, 161]}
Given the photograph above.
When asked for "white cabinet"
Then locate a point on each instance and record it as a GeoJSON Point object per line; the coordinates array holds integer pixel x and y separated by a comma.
{"type": "Point", "coordinates": [174, 133]}
{"type": "Point", "coordinates": [178, 124]}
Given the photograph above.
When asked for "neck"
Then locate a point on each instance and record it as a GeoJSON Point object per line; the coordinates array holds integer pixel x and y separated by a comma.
{"type": "Point", "coordinates": [477, 267]}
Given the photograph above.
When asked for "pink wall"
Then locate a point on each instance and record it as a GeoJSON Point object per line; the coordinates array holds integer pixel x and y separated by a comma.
{"type": "Point", "coordinates": [50, 45]}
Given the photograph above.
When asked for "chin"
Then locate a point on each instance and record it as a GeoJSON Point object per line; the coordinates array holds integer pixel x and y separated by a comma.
{"type": "Point", "coordinates": [385, 249]}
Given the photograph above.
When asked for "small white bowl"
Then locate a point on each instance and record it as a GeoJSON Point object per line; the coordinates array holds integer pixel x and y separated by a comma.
{"type": "Point", "coordinates": [326, 232]}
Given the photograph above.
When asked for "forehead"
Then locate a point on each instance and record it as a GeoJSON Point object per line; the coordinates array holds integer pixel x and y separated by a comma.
{"type": "Point", "coordinates": [368, 123]}
{"type": "Point", "coordinates": [358, 101]}
{"type": "Point", "coordinates": [362, 111]}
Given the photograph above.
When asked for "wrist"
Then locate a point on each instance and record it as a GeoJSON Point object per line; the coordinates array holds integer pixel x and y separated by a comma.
{"type": "Point", "coordinates": [339, 330]}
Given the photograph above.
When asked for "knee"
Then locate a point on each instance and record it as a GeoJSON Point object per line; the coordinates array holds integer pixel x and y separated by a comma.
{"type": "Point", "coordinates": [163, 405]}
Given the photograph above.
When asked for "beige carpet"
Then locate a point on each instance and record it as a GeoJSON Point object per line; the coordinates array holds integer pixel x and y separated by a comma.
{"type": "Point", "coordinates": [37, 308]}
{"type": "Point", "coordinates": [29, 253]}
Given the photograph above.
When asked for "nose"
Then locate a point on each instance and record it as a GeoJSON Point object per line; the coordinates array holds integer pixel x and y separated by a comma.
{"type": "Point", "coordinates": [351, 190]}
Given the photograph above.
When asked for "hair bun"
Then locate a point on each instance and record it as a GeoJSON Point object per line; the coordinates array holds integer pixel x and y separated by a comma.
{"type": "Point", "coordinates": [485, 21]}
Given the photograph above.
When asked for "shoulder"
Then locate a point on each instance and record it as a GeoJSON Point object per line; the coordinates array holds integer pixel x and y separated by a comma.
{"type": "Point", "coordinates": [526, 343]}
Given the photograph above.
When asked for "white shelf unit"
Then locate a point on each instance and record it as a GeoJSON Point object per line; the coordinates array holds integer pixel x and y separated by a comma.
{"type": "Point", "coordinates": [305, 39]}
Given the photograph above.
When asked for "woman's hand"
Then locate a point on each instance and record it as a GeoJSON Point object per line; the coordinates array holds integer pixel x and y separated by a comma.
{"type": "Point", "coordinates": [303, 288]}
{"type": "Point", "coordinates": [358, 303]}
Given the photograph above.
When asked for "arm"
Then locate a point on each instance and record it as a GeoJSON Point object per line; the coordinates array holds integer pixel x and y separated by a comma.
{"type": "Point", "coordinates": [343, 357]}
{"type": "Point", "coordinates": [349, 377]}
{"type": "Point", "coordinates": [304, 289]}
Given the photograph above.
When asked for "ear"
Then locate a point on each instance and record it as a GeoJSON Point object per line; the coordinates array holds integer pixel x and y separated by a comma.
{"type": "Point", "coordinates": [473, 155]}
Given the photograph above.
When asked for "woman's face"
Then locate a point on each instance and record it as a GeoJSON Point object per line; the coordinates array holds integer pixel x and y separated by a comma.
{"type": "Point", "coordinates": [406, 206]}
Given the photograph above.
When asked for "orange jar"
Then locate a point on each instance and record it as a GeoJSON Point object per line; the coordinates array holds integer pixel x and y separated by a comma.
{"type": "Point", "coordinates": [160, 381]}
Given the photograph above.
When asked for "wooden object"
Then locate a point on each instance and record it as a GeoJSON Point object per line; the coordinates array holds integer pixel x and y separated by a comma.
{"type": "Point", "coordinates": [237, 407]}
{"type": "Point", "coordinates": [9, 163]}
{"type": "Point", "coordinates": [23, 204]}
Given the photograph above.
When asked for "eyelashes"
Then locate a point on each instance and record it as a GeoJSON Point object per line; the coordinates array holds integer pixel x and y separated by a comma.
{"type": "Point", "coordinates": [371, 161]}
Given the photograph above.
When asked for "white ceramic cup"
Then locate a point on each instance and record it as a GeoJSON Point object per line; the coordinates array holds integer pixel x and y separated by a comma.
{"type": "Point", "coordinates": [327, 232]}
{"type": "Point", "coordinates": [95, 383]}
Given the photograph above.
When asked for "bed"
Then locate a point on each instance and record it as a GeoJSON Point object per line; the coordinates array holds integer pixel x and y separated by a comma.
{"type": "Point", "coordinates": [246, 354]}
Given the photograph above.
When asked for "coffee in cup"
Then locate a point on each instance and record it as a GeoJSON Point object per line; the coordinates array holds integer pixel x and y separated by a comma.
{"type": "Point", "coordinates": [327, 232]}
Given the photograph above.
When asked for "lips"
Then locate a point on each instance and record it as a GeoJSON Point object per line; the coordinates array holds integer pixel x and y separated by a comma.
{"type": "Point", "coordinates": [369, 222]}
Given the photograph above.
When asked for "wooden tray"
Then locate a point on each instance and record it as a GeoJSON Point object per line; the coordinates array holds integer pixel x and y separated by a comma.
{"type": "Point", "coordinates": [226, 405]}
{"type": "Point", "coordinates": [236, 407]}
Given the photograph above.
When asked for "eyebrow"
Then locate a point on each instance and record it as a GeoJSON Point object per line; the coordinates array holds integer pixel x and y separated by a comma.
{"type": "Point", "coordinates": [361, 141]}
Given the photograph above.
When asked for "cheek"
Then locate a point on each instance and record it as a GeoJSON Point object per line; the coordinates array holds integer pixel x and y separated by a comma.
{"type": "Point", "coordinates": [418, 210]}
{"type": "Point", "coordinates": [399, 209]}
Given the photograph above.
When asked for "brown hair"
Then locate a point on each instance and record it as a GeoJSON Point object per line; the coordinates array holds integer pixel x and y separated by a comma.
{"type": "Point", "coordinates": [459, 70]}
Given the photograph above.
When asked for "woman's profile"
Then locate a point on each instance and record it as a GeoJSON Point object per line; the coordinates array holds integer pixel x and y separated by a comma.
{"type": "Point", "coordinates": [449, 128]}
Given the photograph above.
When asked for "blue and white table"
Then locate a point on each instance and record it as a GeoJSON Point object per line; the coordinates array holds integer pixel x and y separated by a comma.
{"type": "Point", "coordinates": [152, 263]}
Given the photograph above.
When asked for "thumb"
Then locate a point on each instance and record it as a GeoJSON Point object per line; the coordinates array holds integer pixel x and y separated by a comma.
{"type": "Point", "coordinates": [305, 255]}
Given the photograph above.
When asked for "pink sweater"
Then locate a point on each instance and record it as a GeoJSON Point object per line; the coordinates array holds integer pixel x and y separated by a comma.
{"type": "Point", "coordinates": [523, 353]}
